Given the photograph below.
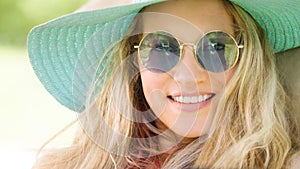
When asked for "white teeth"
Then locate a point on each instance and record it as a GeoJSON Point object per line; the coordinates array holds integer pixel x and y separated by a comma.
{"type": "Point", "coordinates": [191, 99]}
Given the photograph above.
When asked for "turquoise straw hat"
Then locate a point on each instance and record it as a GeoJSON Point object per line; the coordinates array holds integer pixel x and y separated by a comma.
{"type": "Point", "coordinates": [61, 47]}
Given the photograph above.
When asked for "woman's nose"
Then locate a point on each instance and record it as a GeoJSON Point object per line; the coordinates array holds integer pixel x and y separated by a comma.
{"type": "Point", "coordinates": [188, 70]}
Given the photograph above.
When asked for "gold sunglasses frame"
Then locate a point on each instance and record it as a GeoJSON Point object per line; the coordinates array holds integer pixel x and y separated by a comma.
{"type": "Point", "coordinates": [181, 45]}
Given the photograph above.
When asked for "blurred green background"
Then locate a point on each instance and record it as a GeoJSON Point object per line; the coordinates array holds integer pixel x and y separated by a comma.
{"type": "Point", "coordinates": [29, 115]}
{"type": "Point", "coordinates": [19, 16]}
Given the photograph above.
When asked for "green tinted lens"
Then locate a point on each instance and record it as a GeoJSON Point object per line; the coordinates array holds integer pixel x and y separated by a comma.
{"type": "Point", "coordinates": [217, 51]}
{"type": "Point", "coordinates": [159, 51]}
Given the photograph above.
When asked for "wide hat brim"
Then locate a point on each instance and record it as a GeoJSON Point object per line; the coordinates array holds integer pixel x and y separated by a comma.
{"type": "Point", "coordinates": [58, 48]}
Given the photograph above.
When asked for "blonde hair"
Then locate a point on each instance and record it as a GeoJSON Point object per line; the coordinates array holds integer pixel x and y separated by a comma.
{"type": "Point", "coordinates": [251, 128]}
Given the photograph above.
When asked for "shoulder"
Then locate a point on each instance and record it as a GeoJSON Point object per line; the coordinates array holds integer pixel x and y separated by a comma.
{"type": "Point", "coordinates": [295, 161]}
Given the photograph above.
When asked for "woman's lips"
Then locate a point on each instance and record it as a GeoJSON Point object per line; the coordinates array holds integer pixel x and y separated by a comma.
{"type": "Point", "coordinates": [190, 103]}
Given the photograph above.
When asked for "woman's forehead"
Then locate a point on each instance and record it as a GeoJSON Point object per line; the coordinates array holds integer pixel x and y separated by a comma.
{"type": "Point", "coordinates": [190, 19]}
{"type": "Point", "coordinates": [179, 27]}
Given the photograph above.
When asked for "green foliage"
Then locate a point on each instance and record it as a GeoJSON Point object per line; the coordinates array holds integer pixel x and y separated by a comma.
{"type": "Point", "coordinates": [17, 17]}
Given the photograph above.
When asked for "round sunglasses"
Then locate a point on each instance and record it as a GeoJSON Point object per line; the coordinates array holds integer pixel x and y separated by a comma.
{"type": "Point", "coordinates": [216, 51]}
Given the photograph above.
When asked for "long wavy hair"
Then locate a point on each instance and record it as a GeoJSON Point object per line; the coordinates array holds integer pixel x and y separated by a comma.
{"type": "Point", "coordinates": [252, 127]}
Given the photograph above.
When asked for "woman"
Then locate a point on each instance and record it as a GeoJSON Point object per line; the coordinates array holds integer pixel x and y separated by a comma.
{"type": "Point", "coordinates": [191, 84]}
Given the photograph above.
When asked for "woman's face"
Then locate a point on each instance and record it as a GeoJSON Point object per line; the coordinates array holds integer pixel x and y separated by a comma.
{"type": "Point", "coordinates": [185, 98]}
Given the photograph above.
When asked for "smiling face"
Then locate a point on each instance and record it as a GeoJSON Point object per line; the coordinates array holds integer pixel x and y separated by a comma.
{"type": "Point", "coordinates": [185, 97]}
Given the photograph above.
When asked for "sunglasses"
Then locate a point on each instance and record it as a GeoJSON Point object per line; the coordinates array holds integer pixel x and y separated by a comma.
{"type": "Point", "coordinates": [216, 51]}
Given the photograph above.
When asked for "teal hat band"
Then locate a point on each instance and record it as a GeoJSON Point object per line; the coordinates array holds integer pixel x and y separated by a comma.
{"type": "Point", "coordinates": [61, 47]}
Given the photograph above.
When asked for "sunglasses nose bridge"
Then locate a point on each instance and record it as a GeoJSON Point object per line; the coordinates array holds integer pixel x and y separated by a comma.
{"type": "Point", "coordinates": [193, 46]}
{"type": "Point", "coordinates": [189, 58]}
{"type": "Point", "coordinates": [187, 72]}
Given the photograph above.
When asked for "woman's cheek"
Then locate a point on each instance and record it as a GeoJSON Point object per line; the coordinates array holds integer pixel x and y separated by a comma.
{"type": "Point", "coordinates": [154, 88]}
